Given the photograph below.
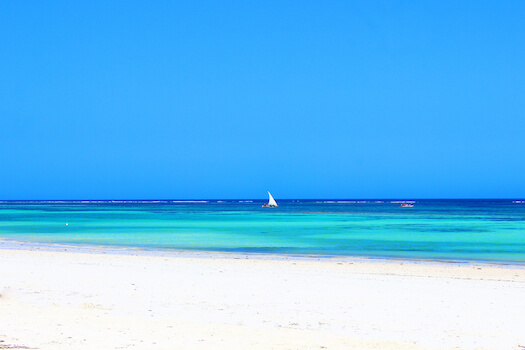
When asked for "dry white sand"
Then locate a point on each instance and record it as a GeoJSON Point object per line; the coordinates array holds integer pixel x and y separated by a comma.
{"type": "Point", "coordinates": [54, 299]}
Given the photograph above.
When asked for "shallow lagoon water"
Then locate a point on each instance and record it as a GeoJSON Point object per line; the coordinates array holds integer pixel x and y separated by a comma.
{"type": "Point", "coordinates": [466, 230]}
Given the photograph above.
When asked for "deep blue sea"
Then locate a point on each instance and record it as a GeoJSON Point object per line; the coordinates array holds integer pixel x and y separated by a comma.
{"type": "Point", "coordinates": [479, 230]}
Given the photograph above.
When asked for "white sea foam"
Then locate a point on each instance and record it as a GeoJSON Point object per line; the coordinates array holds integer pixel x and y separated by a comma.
{"type": "Point", "coordinates": [190, 201]}
{"type": "Point", "coordinates": [348, 202]}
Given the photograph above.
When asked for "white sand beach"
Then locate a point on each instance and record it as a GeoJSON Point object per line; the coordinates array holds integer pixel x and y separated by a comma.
{"type": "Point", "coordinates": [63, 299]}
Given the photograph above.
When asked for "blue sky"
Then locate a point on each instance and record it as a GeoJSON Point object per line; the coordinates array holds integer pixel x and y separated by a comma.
{"type": "Point", "coordinates": [307, 99]}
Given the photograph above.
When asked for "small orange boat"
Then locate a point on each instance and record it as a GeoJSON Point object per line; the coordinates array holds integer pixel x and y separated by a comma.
{"type": "Point", "coordinates": [406, 205]}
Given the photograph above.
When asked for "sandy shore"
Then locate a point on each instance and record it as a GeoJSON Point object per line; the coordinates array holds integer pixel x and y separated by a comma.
{"type": "Point", "coordinates": [54, 298]}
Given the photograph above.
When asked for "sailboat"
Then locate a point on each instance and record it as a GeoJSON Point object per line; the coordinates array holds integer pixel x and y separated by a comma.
{"type": "Point", "coordinates": [271, 202]}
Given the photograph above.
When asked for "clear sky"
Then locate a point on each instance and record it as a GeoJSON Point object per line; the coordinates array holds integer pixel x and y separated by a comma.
{"type": "Point", "coordinates": [228, 99]}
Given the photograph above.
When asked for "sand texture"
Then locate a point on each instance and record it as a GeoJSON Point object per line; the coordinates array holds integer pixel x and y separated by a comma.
{"type": "Point", "coordinates": [52, 299]}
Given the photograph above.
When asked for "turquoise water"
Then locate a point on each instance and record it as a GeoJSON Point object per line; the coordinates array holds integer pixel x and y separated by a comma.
{"type": "Point", "coordinates": [433, 229]}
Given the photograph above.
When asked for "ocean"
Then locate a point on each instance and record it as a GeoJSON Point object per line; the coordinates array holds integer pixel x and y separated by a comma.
{"type": "Point", "coordinates": [451, 230]}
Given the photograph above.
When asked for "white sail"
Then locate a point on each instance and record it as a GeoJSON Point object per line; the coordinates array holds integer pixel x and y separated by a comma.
{"type": "Point", "coordinates": [271, 201]}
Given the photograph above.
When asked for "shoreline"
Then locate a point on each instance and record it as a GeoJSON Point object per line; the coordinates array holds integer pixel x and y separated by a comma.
{"type": "Point", "coordinates": [9, 244]}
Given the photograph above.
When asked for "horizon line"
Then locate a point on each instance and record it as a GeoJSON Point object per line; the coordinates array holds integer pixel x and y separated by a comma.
{"type": "Point", "coordinates": [256, 199]}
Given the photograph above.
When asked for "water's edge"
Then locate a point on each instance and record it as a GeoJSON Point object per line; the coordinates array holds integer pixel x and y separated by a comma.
{"type": "Point", "coordinates": [16, 245]}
